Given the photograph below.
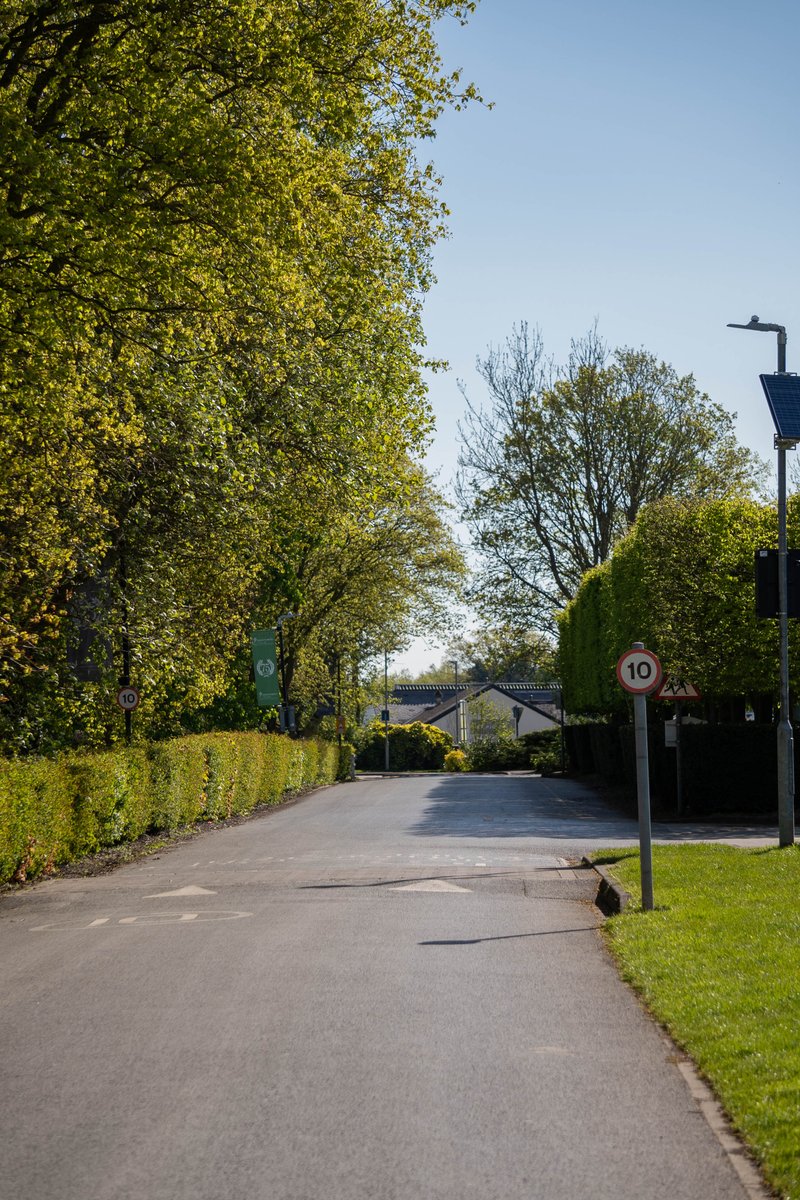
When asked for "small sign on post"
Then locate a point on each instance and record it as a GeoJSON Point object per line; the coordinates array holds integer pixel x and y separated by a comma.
{"type": "Point", "coordinates": [676, 687]}
{"type": "Point", "coordinates": [639, 672]}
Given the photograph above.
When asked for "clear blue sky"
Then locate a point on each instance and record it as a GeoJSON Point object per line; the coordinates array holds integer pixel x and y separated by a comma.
{"type": "Point", "coordinates": [641, 166]}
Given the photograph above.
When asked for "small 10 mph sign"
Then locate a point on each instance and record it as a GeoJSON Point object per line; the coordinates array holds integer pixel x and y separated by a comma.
{"type": "Point", "coordinates": [639, 671]}
{"type": "Point", "coordinates": [128, 698]}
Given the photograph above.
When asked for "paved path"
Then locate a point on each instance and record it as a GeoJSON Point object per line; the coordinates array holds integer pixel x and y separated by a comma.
{"type": "Point", "coordinates": [392, 989]}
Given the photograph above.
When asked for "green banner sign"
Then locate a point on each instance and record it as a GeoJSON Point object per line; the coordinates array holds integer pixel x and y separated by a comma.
{"type": "Point", "coordinates": [265, 666]}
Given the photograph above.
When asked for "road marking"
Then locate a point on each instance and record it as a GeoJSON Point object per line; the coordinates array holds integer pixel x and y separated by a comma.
{"type": "Point", "coordinates": [191, 890]}
{"type": "Point", "coordinates": [157, 918]}
{"type": "Point", "coordinates": [430, 885]}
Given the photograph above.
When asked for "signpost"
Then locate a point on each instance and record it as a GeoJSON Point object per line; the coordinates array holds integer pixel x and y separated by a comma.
{"type": "Point", "coordinates": [639, 672]}
{"type": "Point", "coordinates": [675, 687]}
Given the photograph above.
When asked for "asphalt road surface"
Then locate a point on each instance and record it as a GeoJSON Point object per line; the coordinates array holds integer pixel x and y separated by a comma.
{"type": "Point", "coordinates": [392, 990]}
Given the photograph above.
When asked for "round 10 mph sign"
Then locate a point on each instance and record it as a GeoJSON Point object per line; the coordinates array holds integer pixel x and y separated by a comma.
{"type": "Point", "coordinates": [128, 698]}
{"type": "Point", "coordinates": [639, 671]}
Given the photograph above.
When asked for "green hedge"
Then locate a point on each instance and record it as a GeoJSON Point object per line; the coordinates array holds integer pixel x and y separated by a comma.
{"type": "Point", "coordinates": [56, 810]}
{"type": "Point", "coordinates": [728, 770]}
{"type": "Point", "coordinates": [683, 582]}
{"type": "Point", "coordinates": [413, 747]}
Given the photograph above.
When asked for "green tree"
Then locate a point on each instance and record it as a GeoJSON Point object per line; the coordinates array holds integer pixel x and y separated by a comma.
{"type": "Point", "coordinates": [560, 464]}
{"type": "Point", "coordinates": [503, 653]}
{"type": "Point", "coordinates": [215, 235]}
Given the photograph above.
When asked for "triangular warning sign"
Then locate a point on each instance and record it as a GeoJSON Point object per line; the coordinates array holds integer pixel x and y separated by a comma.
{"type": "Point", "coordinates": [675, 687]}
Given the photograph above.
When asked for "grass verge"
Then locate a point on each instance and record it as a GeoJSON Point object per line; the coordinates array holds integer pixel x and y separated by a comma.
{"type": "Point", "coordinates": [718, 964]}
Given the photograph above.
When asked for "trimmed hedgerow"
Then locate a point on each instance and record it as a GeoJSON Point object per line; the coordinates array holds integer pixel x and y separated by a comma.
{"type": "Point", "coordinates": [56, 810]}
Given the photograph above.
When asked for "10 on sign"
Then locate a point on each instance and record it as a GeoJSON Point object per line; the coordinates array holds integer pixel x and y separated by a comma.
{"type": "Point", "coordinates": [639, 671]}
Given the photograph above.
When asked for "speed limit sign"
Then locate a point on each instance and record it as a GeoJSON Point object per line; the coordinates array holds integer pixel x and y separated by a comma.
{"type": "Point", "coordinates": [639, 671]}
{"type": "Point", "coordinates": [128, 698]}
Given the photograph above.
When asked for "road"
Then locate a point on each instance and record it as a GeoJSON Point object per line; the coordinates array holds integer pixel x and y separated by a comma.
{"type": "Point", "coordinates": [392, 990]}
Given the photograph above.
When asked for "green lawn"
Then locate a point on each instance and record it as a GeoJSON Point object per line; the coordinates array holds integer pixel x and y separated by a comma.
{"type": "Point", "coordinates": [718, 963]}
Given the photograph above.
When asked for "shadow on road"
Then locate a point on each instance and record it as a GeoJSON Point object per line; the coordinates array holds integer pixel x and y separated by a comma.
{"type": "Point", "coordinates": [529, 806]}
{"type": "Point", "coordinates": [507, 937]}
{"type": "Point", "coordinates": [503, 806]}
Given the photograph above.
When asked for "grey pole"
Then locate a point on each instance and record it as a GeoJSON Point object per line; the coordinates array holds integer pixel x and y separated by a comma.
{"type": "Point", "coordinates": [386, 708]}
{"type": "Point", "coordinates": [643, 792]}
{"type": "Point", "coordinates": [454, 661]}
{"type": "Point", "coordinates": [678, 759]}
{"type": "Point", "coordinates": [785, 732]}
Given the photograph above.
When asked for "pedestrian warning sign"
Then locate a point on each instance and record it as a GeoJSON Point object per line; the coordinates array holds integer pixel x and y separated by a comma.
{"type": "Point", "coordinates": [675, 687]}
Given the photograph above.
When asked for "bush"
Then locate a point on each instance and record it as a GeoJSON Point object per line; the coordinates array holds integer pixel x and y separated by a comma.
{"type": "Point", "coordinates": [455, 760]}
{"type": "Point", "coordinates": [545, 762]}
{"type": "Point", "coordinates": [56, 810]}
{"type": "Point", "coordinates": [414, 747]}
{"type": "Point", "coordinates": [543, 750]}
{"type": "Point", "coordinates": [496, 754]}
{"type": "Point", "coordinates": [346, 753]}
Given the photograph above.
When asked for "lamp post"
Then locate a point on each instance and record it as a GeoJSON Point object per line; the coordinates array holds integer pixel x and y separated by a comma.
{"type": "Point", "coordinates": [284, 692]}
{"type": "Point", "coordinates": [454, 662]}
{"type": "Point", "coordinates": [386, 710]}
{"type": "Point", "coordinates": [785, 733]}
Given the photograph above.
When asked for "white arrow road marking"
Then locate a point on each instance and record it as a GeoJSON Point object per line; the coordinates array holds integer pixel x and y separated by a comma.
{"type": "Point", "coordinates": [430, 885]}
{"type": "Point", "coordinates": [191, 890]}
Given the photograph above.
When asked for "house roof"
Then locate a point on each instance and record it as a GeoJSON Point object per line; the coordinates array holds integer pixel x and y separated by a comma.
{"type": "Point", "coordinates": [541, 698]}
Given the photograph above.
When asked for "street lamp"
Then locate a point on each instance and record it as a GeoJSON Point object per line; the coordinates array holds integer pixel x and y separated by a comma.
{"type": "Point", "coordinates": [285, 707]}
{"type": "Point", "coordinates": [454, 664]}
{"type": "Point", "coordinates": [386, 710]}
{"type": "Point", "coordinates": [785, 733]}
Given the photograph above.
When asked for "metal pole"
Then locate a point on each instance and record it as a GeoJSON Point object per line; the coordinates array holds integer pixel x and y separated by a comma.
{"type": "Point", "coordinates": [785, 733]}
{"type": "Point", "coordinates": [643, 792]}
{"type": "Point", "coordinates": [283, 664]}
{"type": "Point", "coordinates": [338, 698]}
{"type": "Point", "coordinates": [126, 639]}
{"type": "Point", "coordinates": [678, 761]}
{"type": "Point", "coordinates": [643, 789]}
{"type": "Point", "coordinates": [386, 707]}
{"type": "Point", "coordinates": [459, 731]}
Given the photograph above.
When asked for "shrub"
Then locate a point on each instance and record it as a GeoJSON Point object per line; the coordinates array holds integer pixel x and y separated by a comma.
{"type": "Point", "coordinates": [414, 747]}
{"type": "Point", "coordinates": [501, 753]}
{"type": "Point", "coordinates": [455, 760]}
{"type": "Point", "coordinates": [542, 750]}
{"type": "Point", "coordinates": [346, 752]}
{"type": "Point", "coordinates": [545, 762]}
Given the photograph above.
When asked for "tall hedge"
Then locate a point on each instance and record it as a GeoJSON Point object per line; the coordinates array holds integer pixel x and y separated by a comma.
{"type": "Point", "coordinates": [56, 810]}
{"type": "Point", "coordinates": [682, 582]}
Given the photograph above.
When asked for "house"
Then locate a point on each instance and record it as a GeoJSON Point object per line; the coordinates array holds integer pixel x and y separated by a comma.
{"type": "Point", "coordinates": [533, 706]}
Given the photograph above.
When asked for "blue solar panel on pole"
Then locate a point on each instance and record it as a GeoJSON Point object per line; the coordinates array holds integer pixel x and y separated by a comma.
{"type": "Point", "coordinates": [783, 398]}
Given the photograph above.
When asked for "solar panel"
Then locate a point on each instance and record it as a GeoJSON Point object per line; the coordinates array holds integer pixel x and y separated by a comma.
{"type": "Point", "coordinates": [783, 398]}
